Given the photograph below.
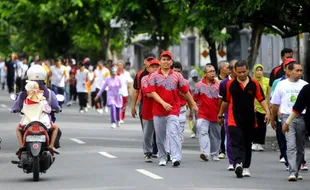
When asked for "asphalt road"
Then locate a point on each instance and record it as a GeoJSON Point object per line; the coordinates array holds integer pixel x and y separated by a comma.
{"type": "Point", "coordinates": [96, 157]}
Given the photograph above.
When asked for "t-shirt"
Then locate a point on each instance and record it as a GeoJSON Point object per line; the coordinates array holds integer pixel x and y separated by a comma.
{"type": "Point", "coordinates": [276, 73]}
{"type": "Point", "coordinates": [125, 80]}
{"type": "Point", "coordinates": [2, 70]}
{"type": "Point", "coordinates": [101, 76]}
{"type": "Point", "coordinates": [58, 76]}
{"type": "Point", "coordinates": [91, 75]}
{"type": "Point", "coordinates": [274, 85]}
{"type": "Point", "coordinates": [81, 79]}
{"type": "Point", "coordinates": [286, 94]}
{"type": "Point", "coordinates": [147, 105]}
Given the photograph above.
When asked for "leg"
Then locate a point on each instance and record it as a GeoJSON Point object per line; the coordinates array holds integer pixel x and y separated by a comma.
{"type": "Point", "coordinates": [55, 89]}
{"type": "Point", "coordinates": [104, 98]}
{"type": "Point", "coordinates": [182, 120]}
{"type": "Point", "coordinates": [118, 113]}
{"type": "Point", "coordinates": [215, 138]}
{"type": "Point", "coordinates": [85, 99]}
{"type": "Point", "coordinates": [228, 143]}
{"type": "Point", "coordinates": [204, 139]}
{"type": "Point", "coordinates": [160, 129]}
{"type": "Point", "coordinates": [19, 136]}
{"type": "Point", "coordinates": [260, 131]}
{"type": "Point", "coordinates": [54, 132]}
{"type": "Point", "coordinates": [281, 140]}
{"type": "Point", "coordinates": [300, 140]}
{"type": "Point", "coordinates": [125, 98]}
{"type": "Point", "coordinates": [80, 100]}
{"type": "Point", "coordinates": [98, 104]}
{"type": "Point", "coordinates": [148, 136]}
{"type": "Point", "coordinates": [248, 139]}
{"type": "Point", "coordinates": [223, 135]}
{"type": "Point", "coordinates": [154, 145]}
{"type": "Point", "coordinates": [292, 149]}
{"type": "Point", "coordinates": [113, 113]}
{"type": "Point", "coordinates": [93, 102]}
{"type": "Point", "coordinates": [237, 147]}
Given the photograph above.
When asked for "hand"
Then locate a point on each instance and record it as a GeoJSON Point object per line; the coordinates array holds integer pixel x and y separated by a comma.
{"type": "Point", "coordinates": [285, 128]}
{"type": "Point", "coordinates": [194, 108]}
{"type": "Point", "coordinates": [267, 118]}
{"type": "Point", "coordinates": [167, 106]}
{"type": "Point", "coordinates": [220, 121]}
{"type": "Point", "coordinates": [96, 98]}
{"type": "Point", "coordinates": [133, 112]}
{"type": "Point", "coordinates": [273, 124]}
{"type": "Point", "coordinates": [190, 116]}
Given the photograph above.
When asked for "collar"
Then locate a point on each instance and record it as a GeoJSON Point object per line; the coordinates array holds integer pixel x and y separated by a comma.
{"type": "Point", "coordinates": [170, 71]}
{"type": "Point", "coordinates": [204, 80]}
{"type": "Point", "coordinates": [29, 102]}
{"type": "Point", "coordinates": [119, 73]}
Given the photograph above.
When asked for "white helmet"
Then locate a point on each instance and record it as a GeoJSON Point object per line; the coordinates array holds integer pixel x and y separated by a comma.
{"type": "Point", "coordinates": [36, 72]}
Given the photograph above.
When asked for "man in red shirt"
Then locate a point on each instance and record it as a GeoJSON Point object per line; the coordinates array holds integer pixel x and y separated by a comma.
{"type": "Point", "coordinates": [207, 95]}
{"type": "Point", "coordinates": [240, 93]}
{"type": "Point", "coordinates": [147, 114]}
{"type": "Point", "coordinates": [164, 86]}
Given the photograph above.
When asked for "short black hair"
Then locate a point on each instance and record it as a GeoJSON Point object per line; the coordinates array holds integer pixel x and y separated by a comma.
{"type": "Point", "coordinates": [290, 66]}
{"type": "Point", "coordinates": [241, 63]}
{"type": "Point", "coordinates": [177, 64]}
{"type": "Point", "coordinates": [286, 50]}
{"type": "Point", "coordinates": [128, 63]}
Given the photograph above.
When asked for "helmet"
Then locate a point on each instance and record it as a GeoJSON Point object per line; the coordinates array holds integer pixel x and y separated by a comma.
{"type": "Point", "coordinates": [36, 72]}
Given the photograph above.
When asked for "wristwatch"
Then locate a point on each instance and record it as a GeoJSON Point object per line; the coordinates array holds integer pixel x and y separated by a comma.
{"type": "Point", "coordinates": [220, 117]}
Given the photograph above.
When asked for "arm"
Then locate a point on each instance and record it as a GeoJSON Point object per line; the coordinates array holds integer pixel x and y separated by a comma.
{"type": "Point", "coordinates": [191, 101]}
{"type": "Point", "coordinates": [266, 108]}
{"type": "Point", "coordinates": [274, 112]}
{"type": "Point", "coordinates": [102, 89]}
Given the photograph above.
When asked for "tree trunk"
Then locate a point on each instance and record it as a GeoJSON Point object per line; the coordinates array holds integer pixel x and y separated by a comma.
{"type": "Point", "coordinates": [257, 32]}
{"type": "Point", "coordinates": [104, 40]}
{"type": "Point", "coordinates": [163, 44]}
{"type": "Point", "coordinates": [212, 48]}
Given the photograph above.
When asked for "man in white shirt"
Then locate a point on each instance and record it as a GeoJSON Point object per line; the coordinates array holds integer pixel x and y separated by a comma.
{"type": "Point", "coordinates": [2, 73]}
{"type": "Point", "coordinates": [101, 74]}
{"type": "Point", "coordinates": [81, 80]}
{"type": "Point", "coordinates": [284, 98]}
{"type": "Point", "coordinates": [127, 87]}
{"type": "Point", "coordinates": [59, 76]}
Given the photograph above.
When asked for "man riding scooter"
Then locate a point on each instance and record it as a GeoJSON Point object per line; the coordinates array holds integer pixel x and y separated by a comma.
{"type": "Point", "coordinates": [38, 74]}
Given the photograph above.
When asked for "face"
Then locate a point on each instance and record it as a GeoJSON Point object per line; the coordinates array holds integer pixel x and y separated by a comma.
{"type": "Point", "coordinates": [147, 60]}
{"type": "Point", "coordinates": [286, 56]}
{"type": "Point", "coordinates": [296, 73]}
{"type": "Point", "coordinates": [58, 63]}
{"type": "Point", "coordinates": [153, 68]}
{"type": "Point", "coordinates": [259, 72]}
{"type": "Point", "coordinates": [242, 73]}
{"type": "Point", "coordinates": [165, 62]}
{"type": "Point", "coordinates": [120, 66]}
{"type": "Point", "coordinates": [210, 73]}
{"type": "Point", "coordinates": [100, 65]}
{"type": "Point", "coordinates": [177, 70]}
{"type": "Point", "coordinates": [225, 69]}
{"type": "Point", "coordinates": [195, 79]}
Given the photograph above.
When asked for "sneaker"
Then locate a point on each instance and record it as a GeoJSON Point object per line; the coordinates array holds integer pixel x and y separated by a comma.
{"type": "Point", "coordinates": [292, 178]}
{"type": "Point", "coordinates": [88, 106]}
{"type": "Point", "coordinates": [282, 160]}
{"type": "Point", "coordinates": [118, 124]}
{"type": "Point", "coordinates": [260, 147]}
{"type": "Point", "coordinates": [175, 162]}
{"type": "Point", "coordinates": [106, 109]}
{"type": "Point", "coordinates": [204, 157]}
{"type": "Point", "coordinates": [239, 171]}
{"type": "Point", "coordinates": [193, 135]}
{"type": "Point", "coordinates": [162, 162]}
{"type": "Point", "coordinates": [100, 111]}
{"type": "Point", "coordinates": [246, 172]}
{"type": "Point", "coordinates": [86, 109]}
{"type": "Point", "coordinates": [121, 121]}
{"type": "Point", "coordinates": [230, 167]}
{"type": "Point", "coordinates": [69, 104]}
{"type": "Point", "coordinates": [148, 158]}
{"type": "Point", "coordinates": [255, 147]}
{"type": "Point", "coordinates": [113, 126]}
{"type": "Point", "coordinates": [81, 111]}
{"type": "Point", "coordinates": [303, 167]}
{"type": "Point", "coordinates": [74, 102]}
{"type": "Point", "coordinates": [222, 156]}
{"type": "Point", "coordinates": [215, 158]}
{"type": "Point", "coordinates": [299, 177]}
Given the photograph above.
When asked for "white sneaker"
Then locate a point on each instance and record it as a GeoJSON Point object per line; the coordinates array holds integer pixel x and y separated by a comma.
{"type": "Point", "coordinates": [303, 167]}
{"type": "Point", "coordinates": [246, 172]}
{"type": "Point", "coordinates": [88, 106]}
{"type": "Point", "coordinates": [282, 160]}
{"type": "Point", "coordinates": [113, 126]}
{"type": "Point", "coordinates": [106, 109]}
{"type": "Point", "coordinates": [299, 177]}
{"type": "Point", "coordinates": [69, 103]}
{"type": "Point", "coordinates": [121, 121]}
{"type": "Point", "coordinates": [230, 167]}
{"type": "Point", "coordinates": [81, 111]}
{"type": "Point", "coordinates": [255, 147]}
{"type": "Point", "coordinates": [292, 178]}
{"type": "Point", "coordinates": [260, 147]}
{"type": "Point", "coordinates": [222, 156]}
{"type": "Point", "coordinates": [215, 158]}
{"type": "Point", "coordinates": [162, 162]}
{"type": "Point", "coordinates": [86, 109]}
{"type": "Point", "coordinates": [193, 135]}
{"type": "Point", "coordinates": [148, 158]}
{"type": "Point", "coordinates": [100, 111]}
{"type": "Point", "coordinates": [175, 162]}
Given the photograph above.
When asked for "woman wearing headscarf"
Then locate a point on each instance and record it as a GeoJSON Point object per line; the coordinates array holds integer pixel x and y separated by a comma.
{"type": "Point", "coordinates": [260, 133]}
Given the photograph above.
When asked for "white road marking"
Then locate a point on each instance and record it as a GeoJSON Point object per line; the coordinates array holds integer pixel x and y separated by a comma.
{"type": "Point", "coordinates": [107, 155]}
{"type": "Point", "coordinates": [3, 106]}
{"type": "Point", "coordinates": [77, 141]}
{"type": "Point", "coordinates": [149, 174]}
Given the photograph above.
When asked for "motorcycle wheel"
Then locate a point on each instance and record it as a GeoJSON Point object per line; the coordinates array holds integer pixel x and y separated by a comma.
{"type": "Point", "coordinates": [36, 168]}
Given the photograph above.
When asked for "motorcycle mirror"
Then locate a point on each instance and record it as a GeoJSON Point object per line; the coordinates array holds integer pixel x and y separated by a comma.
{"type": "Point", "coordinates": [13, 97]}
{"type": "Point", "coordinates": [60, 98]}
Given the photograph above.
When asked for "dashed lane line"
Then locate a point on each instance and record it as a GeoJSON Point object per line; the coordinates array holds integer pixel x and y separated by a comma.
{"type": "Point", "coordinates": [77, 141]}
{"type": "Point", "coordinates": [107, 155]}
{"type": "Point", "coordinates": [149, 174]}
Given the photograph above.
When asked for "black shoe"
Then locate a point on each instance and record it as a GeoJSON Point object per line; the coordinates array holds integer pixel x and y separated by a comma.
{"type": "Point", "coordinates": [238, 171]}
{"type": "Point", "coordinates": [175, 163]}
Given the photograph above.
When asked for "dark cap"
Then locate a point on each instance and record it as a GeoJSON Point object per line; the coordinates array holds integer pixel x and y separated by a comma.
{"type": "Point", "coordinates": [166, 53]}
{"type": "Point", "coordinates": [149, 55]}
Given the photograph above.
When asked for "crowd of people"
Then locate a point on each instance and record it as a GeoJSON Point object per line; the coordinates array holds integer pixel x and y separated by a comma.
{"type": "Point", "coordinates": [228, 109]}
